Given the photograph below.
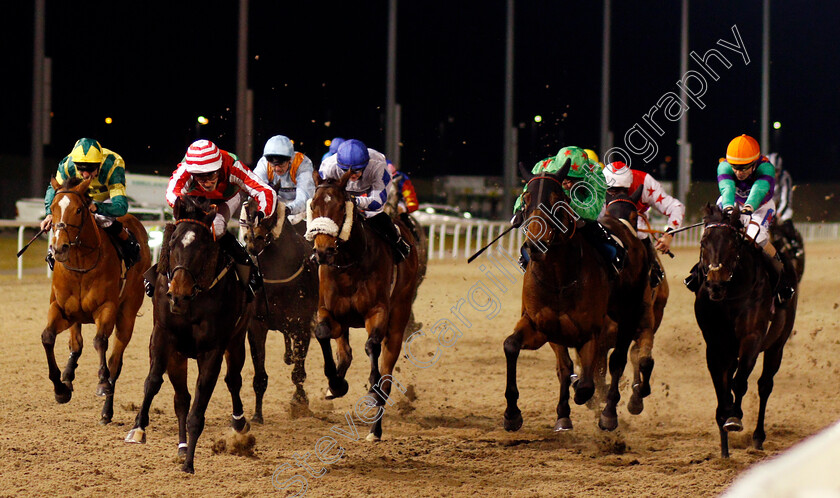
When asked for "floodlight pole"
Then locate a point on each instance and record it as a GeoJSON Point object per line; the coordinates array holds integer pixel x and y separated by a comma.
{"type": "Point", "coordinates": [765, 79]}
{"type": "Point", "coordinates": [37, 187]}
{"type": "Point", "coordinates": [392, 117]}
{"type": "Point", "coordinates": [684, 167]}
{"type": "Point", "coordinates": [605, 81]}
{"type": "Point", "coordinates": [508, 154]}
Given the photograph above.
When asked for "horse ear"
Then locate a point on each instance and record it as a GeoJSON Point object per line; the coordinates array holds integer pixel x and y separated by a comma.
{"type": "Point", "coordinates": [735, 217]}
{"type": "Point", "coordinates": [178, 207]}
{"type": "Point", "coordinates": [637, 194]}
{"type": "Point", "coordinates": [211, 215]}
{"type": "Point", "coordinates": [524, 173]}
{"type": "Point", "coordinates": [82, 188]}
{"type": "Point", "coordinates": [316, 177]}
{"type": "Point", "coordinates": [564, 171]}
{"type": "Point", "coordinates": [342, 182]}
{"type": "Point", "coordinates": [55, 184]}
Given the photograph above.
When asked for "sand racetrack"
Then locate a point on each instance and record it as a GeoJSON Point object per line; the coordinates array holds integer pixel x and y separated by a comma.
{"type": "Point", "coordinates": [444, 438]}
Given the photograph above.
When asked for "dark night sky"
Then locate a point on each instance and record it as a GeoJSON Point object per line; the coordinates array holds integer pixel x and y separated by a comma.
{"type": "Point", "coordinates": [155, 66]}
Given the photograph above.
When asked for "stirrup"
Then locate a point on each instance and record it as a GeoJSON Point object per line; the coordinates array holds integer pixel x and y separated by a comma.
{"type": "Point", "coordinates": [149, 288]}
{"type": "Point", "coordinates": [50, 259]}
{"type": "Point", "coordinates": [784, 294]}
{"type": "Point", "coordinates": [692, 282]}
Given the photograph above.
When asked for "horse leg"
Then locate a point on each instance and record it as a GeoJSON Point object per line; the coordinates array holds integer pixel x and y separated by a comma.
{"type": "Point", "coordinates": [257, 333]}
{"type": "Point", "coordinates": [327, 329]}
{"type": "Point", "coordinates": [720, 364]}
{"type": "Point", "coordinates": [747, 356]}
{"type": "Point", "coordinates": [235, 359]}
{"type": "Point", "coordinates": [376, 324]}
{"type": "Point", "coordinates": [76, 343]}
{"type": "Point", "coordinates": [390, 354]}
{"type": "Point", "coordinates": [299, 405]}
{"type": "Point", "coordinates": [105, 321]}
{"type": "Point", "coordinates": [159, 352]}
{"type": "Point", "coordinates": [56, 323]}
{"type": "Point", "coordinates": [209, 365]}
{"type": "Point", "coordinates": [641, 356]}
{"type": "Point", "coordinates": [618, 360]}
{"type": "Point", "coordinates": [177, 371]}
{"type": "Point", "coordinates": [289, 352]}
{"type": "Point", "coordinates": [564, 372]}
{"type": "Point", "coordinates": [124, 330]}
{"type": "Point", "coordinates": [772, 362]}
{"type": "Point", "coordinates": [524, 336]}
{"type": "Point", "coordinates": [586, 383]}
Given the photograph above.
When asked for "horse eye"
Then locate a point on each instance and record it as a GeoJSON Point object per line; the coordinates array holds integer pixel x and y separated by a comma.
{"type": "Point", "coordinates": [78, 210]}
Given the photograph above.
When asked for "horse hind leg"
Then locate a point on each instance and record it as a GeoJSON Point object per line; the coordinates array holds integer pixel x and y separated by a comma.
{"type": "Point", "coordinates": [68, 375]}
{"type": "Point", "coordinates": [772, 361]}
{"type": "Point", "coordinates": [564, 371]}
{"type": "Point", "coordinates": [618, 360]}
{"type": "Point", "coordinates": [381, 391]}
{"type": "Point", "coordinates": [177, 371]}
{"type": "Point", "coordinates": [124, 331]}
{"type": "Point", "coordinates": [235, 359]}
{"type": "Point", "coordinates": [104, 328]}
{"type": "Point", "coordinates": [257, 333]}
{"type": "Point", "coordinates": [299, 405]}
{"type": "Point", "coordinates": [642, 359]}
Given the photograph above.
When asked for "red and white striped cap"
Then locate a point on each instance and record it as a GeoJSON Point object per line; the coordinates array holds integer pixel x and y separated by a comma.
{"type": "Point", "coordinates": [618, 174]}
{"type": "Point", "coordinates": [203, 157]}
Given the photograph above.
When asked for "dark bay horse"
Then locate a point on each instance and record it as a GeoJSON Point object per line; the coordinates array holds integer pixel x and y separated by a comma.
{"type": "Point", "coordinates": [201, 312]}
{"type": "Point", "coordinates": [88, 286]}
{"type": "Point", "coordinates": [567, 300]}
{"type": "Point", "coordinates": [735, 311]}
{"type": "Point", "coordinates": [622, 206]}
{"type": "Point", "coordinates": [359, 287]}
{"type": "Point", "coordinates": [287, 301]}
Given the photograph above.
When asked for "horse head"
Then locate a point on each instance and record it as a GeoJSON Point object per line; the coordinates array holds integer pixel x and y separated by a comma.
{"type": "Point", "coordinates": [622, 205]}
{"type": "Point", "coordinates": [192, 251]}
{"type": "Point", "coordinates": [71, 212]}
{"type": "Point", "coordinates": [721, 247]}
{"type": "Point", "coordinates": [259, 234]}
{"type": "Point", "coordinates": [329, 217]}
{"type": "Point", "coordinates": [547, 210]}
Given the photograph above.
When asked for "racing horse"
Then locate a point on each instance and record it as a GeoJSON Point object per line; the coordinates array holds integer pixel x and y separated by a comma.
{"type": "Point", "coordinates": [622, 206]}
{"type": "Point", "coordinates": [89, 286]}
{"type": "Point", "coordinates": [201, 312]}
{"type": "Point", "coordinates": [567, 296]}
{"type": "Point", "coordinates": [359, 286]}
{"type": "Point", "coordinates": [287, 301]}
{"type": "Point", "coordinates": [735, 311]}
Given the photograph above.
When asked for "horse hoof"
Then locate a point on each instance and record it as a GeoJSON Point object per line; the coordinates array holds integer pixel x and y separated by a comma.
{"type": "Point", "coordinates": [641, 390]}
{"type": "Point", "coordinates": [104, 389]}
{"type": "Point", "coordinates": [513, 424]}
{"type": "Point", "coordinates": [104, 420]}
{"type": "Point", "coordinates": [241, 426]}
{"type": "Point", "coordinates": [337, 389]}
{"type": "Point", "coordinates": [257, 419]}
{"type": "Point", "coordinates": [63, 396]}
{"type": "Point", "coordinates": [136, 435]}
{"type": "Point", "coordinates": [188, 468]}
{"type": "Point", "coordinates": [607, 423]}
{"type": "Point", "coordinates": [563, 424]}
{"type": "Point", "coordinates": [181, 457]}
{"type": "Point", "coordinates": [584, 394]}
{"type": "Point", "coordinates": [373, 438]}
{"type": "Point", "coordinates": [635, 405]}
{"type": "Point", "coordinates": [733, 424]}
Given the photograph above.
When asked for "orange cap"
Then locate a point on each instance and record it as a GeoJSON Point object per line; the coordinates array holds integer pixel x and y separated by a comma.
{"type": "Point", "coordinates": [742, 150]}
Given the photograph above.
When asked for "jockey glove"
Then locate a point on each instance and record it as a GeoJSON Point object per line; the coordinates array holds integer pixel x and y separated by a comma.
{"type": "Point", "coordinates": [748, 210]}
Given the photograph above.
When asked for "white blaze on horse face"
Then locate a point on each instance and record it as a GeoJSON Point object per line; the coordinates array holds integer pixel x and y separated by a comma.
{"type": "Point", "coordinates": [188, 238]}
{"type": "Point", "coordinates": [327, 198]}
{"type": "Point", "coordinates": [62, 203]}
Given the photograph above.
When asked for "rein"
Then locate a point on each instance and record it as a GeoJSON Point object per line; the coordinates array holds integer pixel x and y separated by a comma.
{"type": "Point", "coordinates": [197, 288]}
{"type": "Point", "coordinates": [552, 240]}
{"type": "Point", "coordinates": [77, 242]}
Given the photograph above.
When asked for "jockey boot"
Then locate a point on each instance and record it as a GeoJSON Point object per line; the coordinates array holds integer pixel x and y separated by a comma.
{"type": "Point", "coordinates": [149, 279]}
{"type": "Point", "coordinates": [694, 279]}
{"type": "Point", "coordinates": [248, 273]}
{"type": "Point", "coordinates": [656, 272]}
{"type": "Point", "coordinates": [610, 248]}
{"type": "Point", "coordinates": [50, 259]}
{"type": "Point", "coordinates": [524, 257]}
{"type": "Point", "coordinates": [783, 276]}
{"type": "Point", "coordinates": [126, 244]}
{"type": "Point", "coordinates": [383, 225]}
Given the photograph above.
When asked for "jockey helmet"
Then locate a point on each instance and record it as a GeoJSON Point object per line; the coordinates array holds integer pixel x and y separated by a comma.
{"type": "Point", "coordinates": [87, 150]}
{"type": "Point", "coordinates": [352, 154]}
{"type": "Point", "coordinates": [335, 143]}
{"type": "Point", "coordinates": [203, 157]}
{"type": "Point", "coordinates": [279, 145]}
{"type": "Point", "coordinates": [592, 155]}
{"type": "Point", "coordinates": [618, 175]}
{"type": "Point", "coordinates": [742, 150]}
{"type": "Point", "coordinates": [580, 164]}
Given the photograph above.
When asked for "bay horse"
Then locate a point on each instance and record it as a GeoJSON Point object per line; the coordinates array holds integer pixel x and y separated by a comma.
{"type": "Point", "coordinates": [567, 299]}
{"type": "Point", "coordinates": [201, 312]}
{"type": "Point", "coordinates": [735, 311]}
{"type": "Point", "coordinates": [622, 206]}
{"type": "Point", "coordinates": [90, 286]}
{"type": "Point", "coordinates": [287, 301]}
{"type": "Point", "coordinates": [359, 286]}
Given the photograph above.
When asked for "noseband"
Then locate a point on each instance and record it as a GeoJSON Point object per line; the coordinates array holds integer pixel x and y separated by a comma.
{"type": "Point", "coordinates": [63, 226]}
{"type": "Point", "coordinates": [719, 266]}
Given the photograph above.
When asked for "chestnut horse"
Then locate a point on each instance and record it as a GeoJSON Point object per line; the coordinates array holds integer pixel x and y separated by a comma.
{"type": "Point", "coordinates": [622, 206]}
{"type": "Point", "coordinates": [287, 301]}
{"type": "Point", "coordinates": [359, 287]}
{"type": "Point", "coordinates": [201, 312]}
{"type": "Point", "coordinates": [89, 286]}
{"type": "Point", "coordinates": [735, 311]}
{"type": "Point", "coordinates": [567, 298]}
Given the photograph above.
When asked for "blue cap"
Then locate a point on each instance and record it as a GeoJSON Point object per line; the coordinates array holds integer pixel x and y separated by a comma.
{"type": "Point", "coordinates": [352, 154]}
{"type": "Point", "coordinates": [335, 143]}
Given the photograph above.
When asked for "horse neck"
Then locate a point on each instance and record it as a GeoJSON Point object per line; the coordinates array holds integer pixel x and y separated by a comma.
{"type": "Point", "coordinates": [290, 246]}
{"type": "Point", "coordinates": [562, 260]}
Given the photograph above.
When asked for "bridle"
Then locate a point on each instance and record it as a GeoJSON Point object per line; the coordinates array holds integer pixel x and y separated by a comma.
{"type": "Point", "coordinates": [77, 242]}
{"type": "Point", "coordinates": [719, 266]}
{"type": "Point", "coordinates": [197, 288]}
{"type": "Point", "coordinates": [539, 193]}
{"type": "Point", "coordinates": [338, 242]}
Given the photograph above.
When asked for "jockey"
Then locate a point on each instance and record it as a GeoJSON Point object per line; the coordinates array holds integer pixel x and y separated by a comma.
{"type": "Point", "coordinates": [206, 171]}
{"type": "Point", "coordinates": [618, 175]}
{"type": "Point", "coordinates": [287, 172]}
{"type": "Point", "coordinates": [106, 171]}
{"type": "Point", "coordinates": [782, 196]}
{"type": "Point", "coordinates": [335, 143]}
{"type": "Point", "coordinates": [368, 185]}
{"type": "Point", "coordinates": [408, 196]}
{"type": "Point", "coordinates": [586, 201]}
{"type": "Point", "coordinates": [747, 179]}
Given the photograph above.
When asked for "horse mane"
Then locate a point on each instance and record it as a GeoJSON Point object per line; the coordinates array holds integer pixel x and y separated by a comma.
{"type": "Point", "coordinates": [714, 214]}
{"type": "Point", "coordinates": [71, 182]}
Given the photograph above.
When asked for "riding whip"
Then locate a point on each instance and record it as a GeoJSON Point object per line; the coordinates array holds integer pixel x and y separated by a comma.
{"type": "Point", "coordinates": [30, 242]}
{"type": "Point", "coordinates": [490, 244]}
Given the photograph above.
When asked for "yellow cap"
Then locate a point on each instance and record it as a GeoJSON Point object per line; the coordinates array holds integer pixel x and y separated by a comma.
{"type": "Point", "coordinates": [87, 150]}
